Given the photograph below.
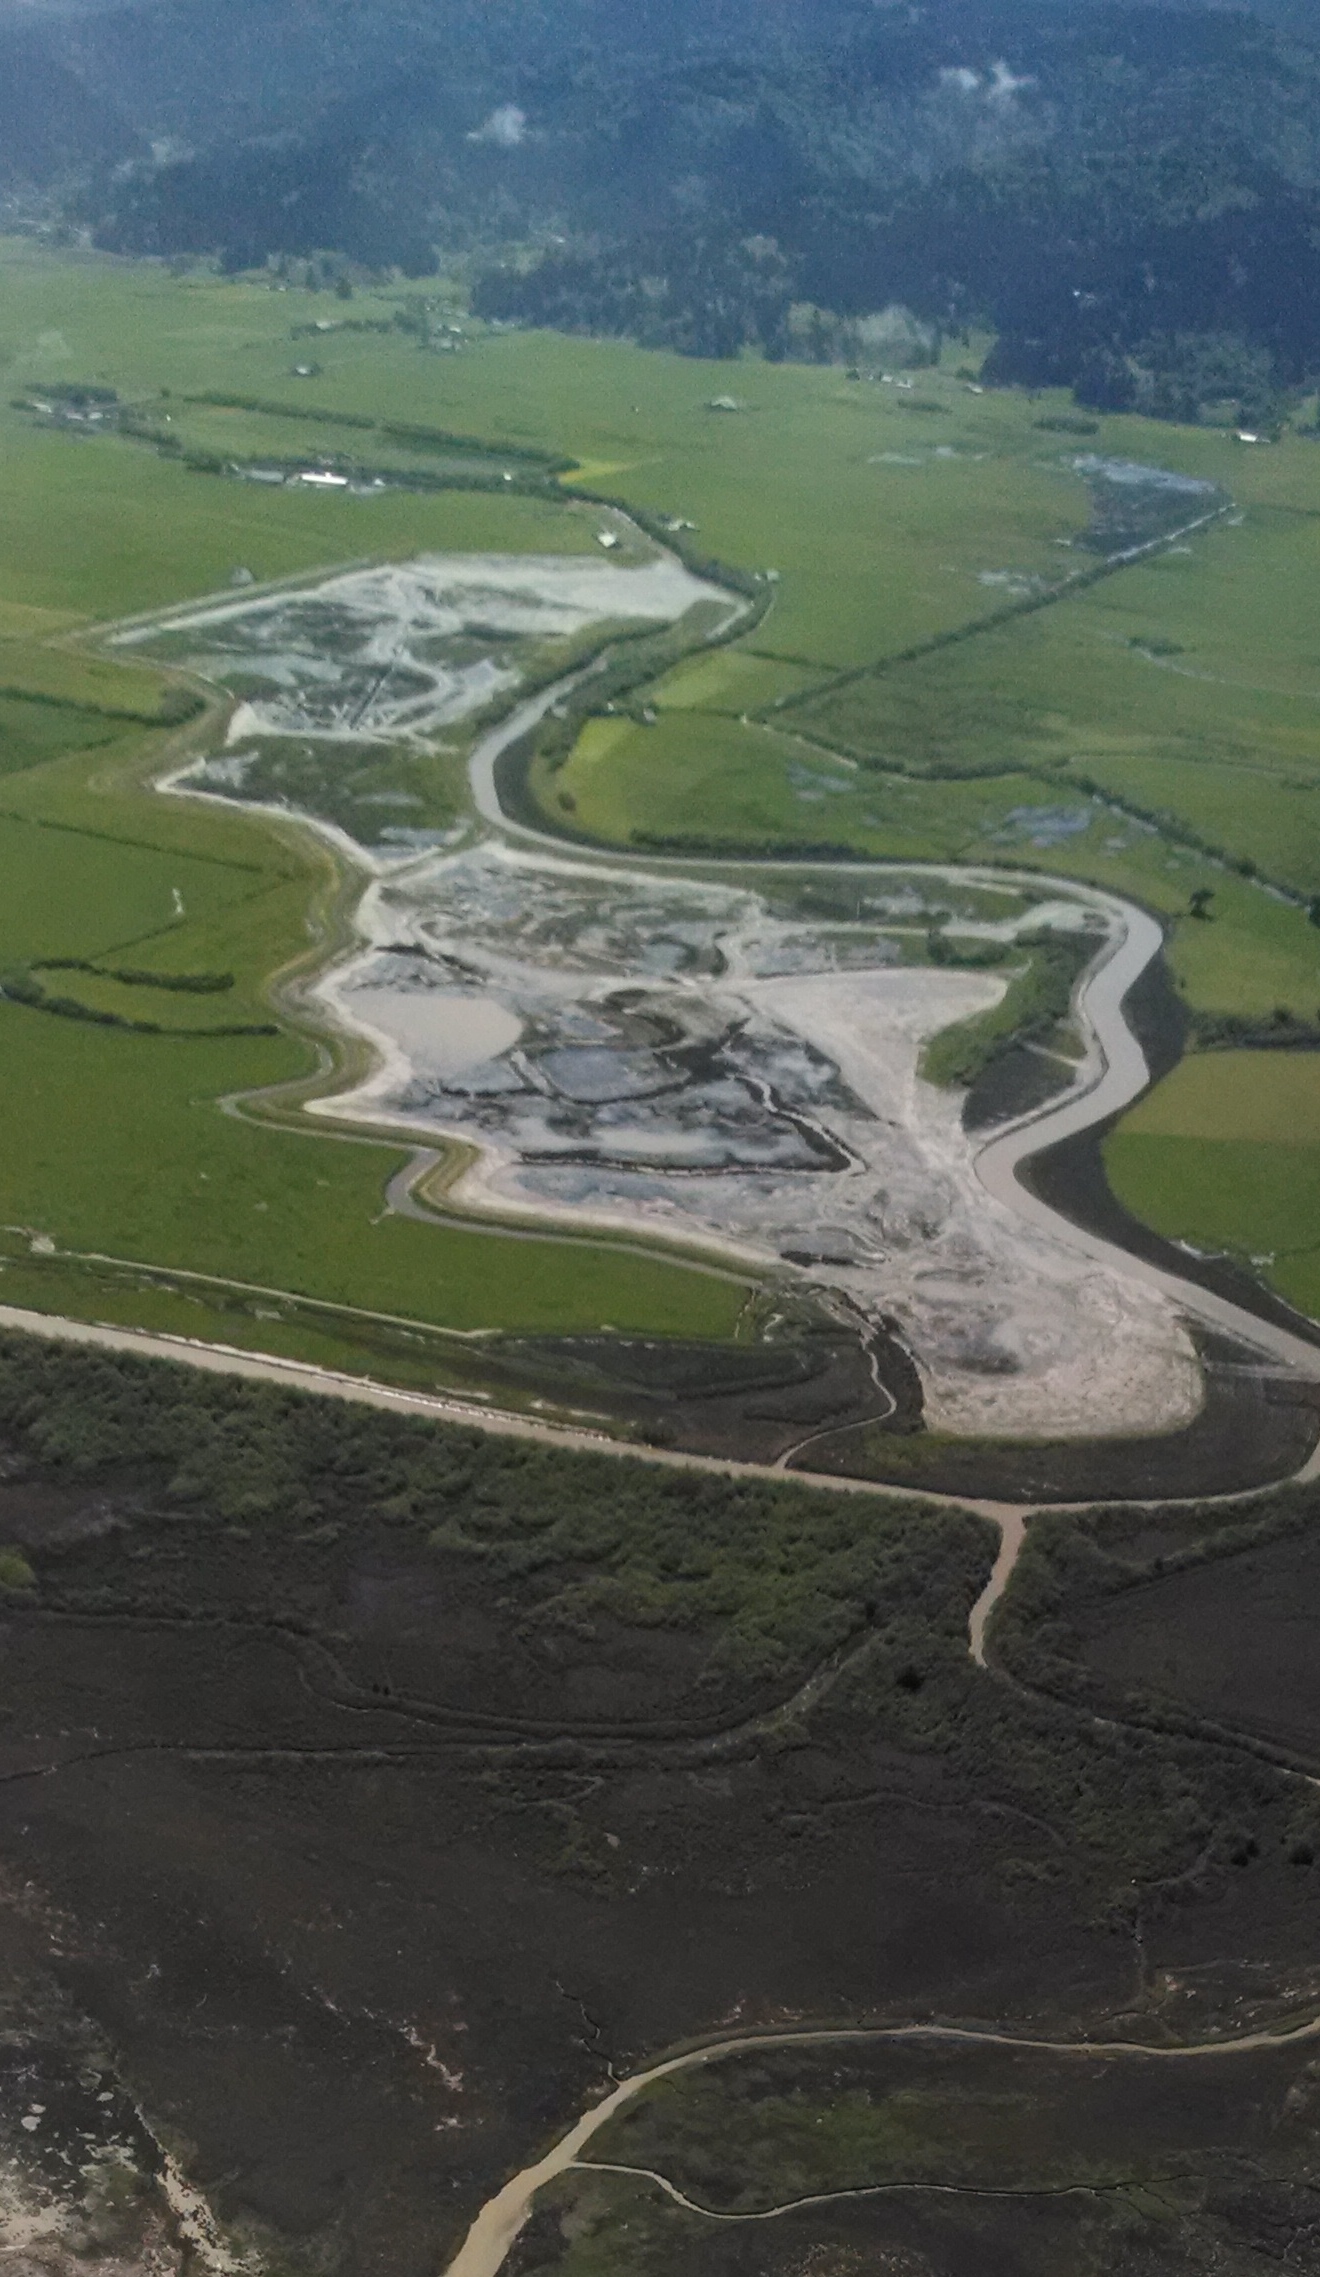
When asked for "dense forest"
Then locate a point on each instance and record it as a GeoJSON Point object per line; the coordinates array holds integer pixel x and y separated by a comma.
{"type": "Point", "coordinates": [1127, 196]}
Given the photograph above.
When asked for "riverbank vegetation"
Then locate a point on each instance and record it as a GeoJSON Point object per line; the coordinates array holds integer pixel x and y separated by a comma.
{"type": "Point", "coordinates": [1033, 1010]}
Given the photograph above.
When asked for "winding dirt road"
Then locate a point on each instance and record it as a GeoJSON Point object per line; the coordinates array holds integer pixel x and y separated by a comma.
{"type": "Point", "coordinates": [489, 2242]}
{"type": "Point", "coordinates": [1113, 1074]}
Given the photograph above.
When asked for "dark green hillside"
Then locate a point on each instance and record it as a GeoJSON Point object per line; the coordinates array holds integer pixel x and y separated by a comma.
{"type": "Point", "coordinates": [1127, 195]}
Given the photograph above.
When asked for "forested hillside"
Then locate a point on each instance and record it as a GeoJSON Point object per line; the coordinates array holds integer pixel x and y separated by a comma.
{"type": "Point", "coordinates": [1128, 196]}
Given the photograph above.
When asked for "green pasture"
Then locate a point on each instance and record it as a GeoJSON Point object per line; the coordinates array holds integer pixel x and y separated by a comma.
{"type": "Point", "coordinates": [254, 1320]}
{"type": "Point", "coordinates": [1271, 821]}
{"type": "Point", "coordinates": [229, 432]}
{"type": "Point", "coordinates": [176, 1011]}
{"type": "Point", "coordinates": [32, 732]}
{"type": "Point", "coordinates": [1232, 610]}
{"type": "Point", "coordinates": [71, 893]}
{"type": "Point", "coordinates": [64, 676]}
{"type": "Point", "coordinates": [732, 680]}
{"type": "Point", "coordinates": [1066, 684]}
{"type": "Point", "coordinates": [99, 798]}
{"type": "Point", "coordinates": [114, 1146]}
{"type": "Point", "coordinates": [1267, 1098]}
{"type": "Point", "coordinates": [695, 775]}
{"type": "Point", "coordinates": [1259, 1203]}
{"type": "Point", "coordinates": [1225, 1154]}
{"type": "Point", "coordinates": [812, 478]}
{"type": "Point", "coordinates": [106, 528]}
{"type": "Point", "coordinates": [1254, 954]}
{"type": "Point", "coordinates": [1073, 692]}
{"type": "Point", "coordinates": [1187, 687]}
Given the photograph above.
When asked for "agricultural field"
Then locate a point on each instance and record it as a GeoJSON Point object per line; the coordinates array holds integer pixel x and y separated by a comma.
{"type": "Point", "coordinates": [33, 731]}
{"type": "Point", "coordinates": [1225, 1154]}
{"type": "Point", "coordinates": [96, 869]}
{"type": "Point", "coordinates": [178, 1184]}
{"type": "Point", "coordinates": [105, 528]}
{"type": "Point", "coordinates": [1106, 734]}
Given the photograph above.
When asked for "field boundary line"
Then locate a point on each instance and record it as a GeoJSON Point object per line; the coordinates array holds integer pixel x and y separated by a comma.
{"type": "Point", "coordinates": [1077, 581]}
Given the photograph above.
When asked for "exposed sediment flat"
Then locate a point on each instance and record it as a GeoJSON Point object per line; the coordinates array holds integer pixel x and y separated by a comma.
{"type": "Point", "coordinates": [394, 652]}
{"type": "Point", "coordinates": [663, 1053]}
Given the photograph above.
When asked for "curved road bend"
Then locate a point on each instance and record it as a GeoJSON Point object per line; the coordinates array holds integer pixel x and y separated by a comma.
{"type": "Point", "coordinates": [1123, 1077]}
{"type": "Point", "coordinates": [489, 2242]}
{"type": "Point", "coordinates": [1115, 1073]}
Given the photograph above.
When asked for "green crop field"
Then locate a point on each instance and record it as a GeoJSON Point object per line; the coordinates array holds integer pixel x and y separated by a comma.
{"type": "Point", "coordinates": [1269, 1098]}
{"type": "Point", "coordinates": [116, 1145]}
{"type": "Point", "coordinates": [64, 678]}
{"type": "Point", "coordinates": [31, 732]}
{"type": "Point", "coordinates": [1145, 733]}
{"type": "Point", "coordinates": [1225, 1154]}
{"type": "Point", "coordinates": [108, 529]}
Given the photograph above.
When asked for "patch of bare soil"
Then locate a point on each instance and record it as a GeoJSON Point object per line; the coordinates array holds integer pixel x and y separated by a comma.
{"type": "Point", "coordinates": [1252, 1430]}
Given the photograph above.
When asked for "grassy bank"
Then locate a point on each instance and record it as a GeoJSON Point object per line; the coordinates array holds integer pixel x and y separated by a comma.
{"type": "Point", "coordinates": [1225, 1154]}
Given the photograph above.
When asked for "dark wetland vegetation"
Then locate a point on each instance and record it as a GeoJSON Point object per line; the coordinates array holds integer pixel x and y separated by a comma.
{"type": "Point", "coordinates": [1042, 2163]}
{"type": "Point", "coordinates": [371, 1790]}
{"type": "Point", "coordinates": [1196, 1620]}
